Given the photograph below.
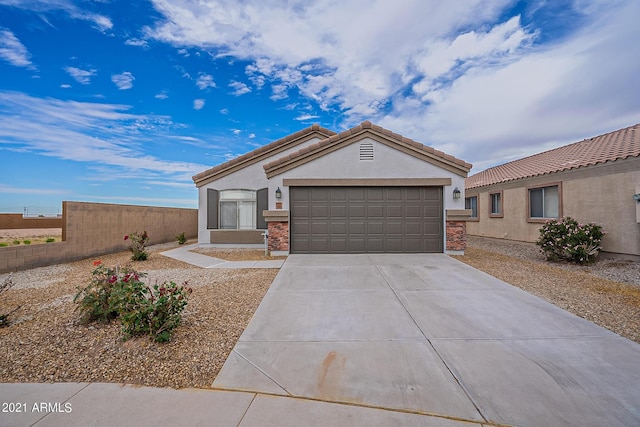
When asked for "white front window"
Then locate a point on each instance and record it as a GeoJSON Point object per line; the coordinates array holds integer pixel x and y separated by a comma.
{"type": "Point", "coordinates": [237, 210]}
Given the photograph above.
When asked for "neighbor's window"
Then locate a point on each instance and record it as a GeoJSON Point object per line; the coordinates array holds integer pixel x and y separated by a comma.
{"type": "Point", "coordinates": [496, 204]}
{"type": "Point", "coordinates": [237, 210]}
{"type": "Point", "coordinates": [544, 202]}
{"type": "Point", "coordinates": [472, 203]}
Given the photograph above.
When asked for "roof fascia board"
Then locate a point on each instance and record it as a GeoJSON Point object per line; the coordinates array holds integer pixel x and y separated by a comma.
{"type": "Point", "coordinates": [261, 156]}
{"type": "Point", "coordinates": [395, 143]}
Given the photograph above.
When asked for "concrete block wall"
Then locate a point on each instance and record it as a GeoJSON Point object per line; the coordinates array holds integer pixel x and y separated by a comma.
{"type": "Point", "coordinates": [91, 229]}
{"type": "Point", "coordinates": [18, 222]}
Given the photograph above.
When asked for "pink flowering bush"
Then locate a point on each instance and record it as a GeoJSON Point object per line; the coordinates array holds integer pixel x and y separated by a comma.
{"type": "Point", "coordinates": [138, 245]}
{"type": "Point", "coordinates": [95, 300]}
{"type": "Point", "coordinates": [566, 239]}
{"type": "Point", "coordinates": [119, 293]}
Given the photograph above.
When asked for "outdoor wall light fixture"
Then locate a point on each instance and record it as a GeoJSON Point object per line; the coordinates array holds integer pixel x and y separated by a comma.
{"type": "Point", "coordinates": [636, 197]}
{"type": "Point", "coordinates": [456, 193]}
{"type": "Point", "coordinates": [278, 193]}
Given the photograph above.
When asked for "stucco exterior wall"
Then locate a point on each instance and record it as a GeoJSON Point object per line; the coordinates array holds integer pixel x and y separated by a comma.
{"type": "Point", "coordinates": [251, 177]}
{"type": "Point", "coordinates": [602, 194]}
{"type": "Point", "coordinates": [388, 162]}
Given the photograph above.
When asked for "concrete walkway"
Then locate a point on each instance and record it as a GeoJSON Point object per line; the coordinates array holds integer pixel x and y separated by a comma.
{"type": "Point", "coordinates": [416, 340]}
{"type": "Point", "coordinates": [429, 334]}
{"type": "Point", "coordinates": [183, 253]}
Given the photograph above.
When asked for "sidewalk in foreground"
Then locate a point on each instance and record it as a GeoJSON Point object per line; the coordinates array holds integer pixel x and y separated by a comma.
{"type": "Point", "coordinates": [97, 404]}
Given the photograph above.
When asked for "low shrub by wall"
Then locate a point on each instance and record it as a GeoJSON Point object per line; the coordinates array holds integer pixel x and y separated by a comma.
{"type": "Point", "coordinates": [90, 229]}
{"type": "Point", "coordinates": [18, 222]}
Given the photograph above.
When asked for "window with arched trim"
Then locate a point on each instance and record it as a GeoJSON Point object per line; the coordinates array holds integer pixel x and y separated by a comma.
{"type": "Point", "coordinates": [366, 150]}
{"type": "Point", "coordinates": [237, 209]}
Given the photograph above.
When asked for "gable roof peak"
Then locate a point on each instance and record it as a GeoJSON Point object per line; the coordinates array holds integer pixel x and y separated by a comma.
{"type": "Point", "coordinates": [377, 132]}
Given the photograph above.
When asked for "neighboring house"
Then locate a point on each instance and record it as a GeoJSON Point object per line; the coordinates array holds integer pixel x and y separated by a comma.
{"type": "Point", "coordinates": [364, 190]}
{"type": "Point", "coordinates": [594, 180]}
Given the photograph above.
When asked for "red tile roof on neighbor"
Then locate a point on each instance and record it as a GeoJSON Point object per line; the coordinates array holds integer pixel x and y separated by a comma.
{"type": "Point", "coordinates": [609, 147]}
{"type": "Point", "coordinates": [364, 126]}
{"type": "Point", "coordinates": [258, 153]}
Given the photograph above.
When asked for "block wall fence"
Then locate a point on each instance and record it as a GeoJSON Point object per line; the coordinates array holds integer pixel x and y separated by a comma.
{"type": "Point", "coordinates": [18, 222]}
{"type": "Point", "coordinates": [92, 229]}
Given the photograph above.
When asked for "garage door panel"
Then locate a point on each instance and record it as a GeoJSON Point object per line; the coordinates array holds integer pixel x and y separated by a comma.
{"type": "Point", "coordinates": [357, 227]}
{"type": "Point", "coordinates": [375, 244]}
{"type": "Point", "coordinates": [320, 228]}
{"type": "Point", "coordinates": [375, 227]}
{"type": "Point", "coordinates": [339, 227]}
{"type": "Point", "coordinates": [366, 219]}
{"type": "Point", "coordinates": [319, 245]}
{"type": "Point", "coordinates": [357, 211]}
{"type": "Point", "coordinates": [338, 211]}
{"type": "Point", "coordinates": [375, 194]}
{"type": "Point", "coordinates": [395, 211]}
{"type": "Point", "coordinates": [375, 211]}
{"type": "Point", "coordinates": [356, 194]}
{"type": "Point", "coordinates": [319, 194]}
{"type": "Point", "coordinates": [395, 228]}
{"type": "Point", "coordinates": [319, 211]}
{"type": "Point", "coordinates": [413, 211]}
{"type": "Point", "coordinates": [394, 245]}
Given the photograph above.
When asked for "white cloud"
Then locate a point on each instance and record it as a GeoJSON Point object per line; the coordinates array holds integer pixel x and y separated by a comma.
{"type": "Point", "coordinates": [136, 42]}
{"type": "Point", "coordinates": [80, 75]}
{"type": "Point", "coordinates": [162, 95]}
{"type": "Point", "coordinates": [104, 135]}
{"type": "Point", "coordinates": [236, 131]}
{"type": "Point", "coordinates": [198, 104]}
{"type": "Point", "coordinates": [13, 51]}
{"type": "Point", "coordinates": [466, 78]}
{"type": "Point", "coordinates": [100, 22]}
{"type": "Point", "coordinates": [205, 81]}
{"type": "Point", "coordinates": [224, 111]}
{"type": "Point", "coordinates": [65, 86]}
{"type": "Point", "coordinates": [123, 80]}
{"type": "Point", "coordinates": [239, 88]}
{"type": "Point", "coordinates": [305, 117]}
{"type": "Point", "coordinates": [252, 135]}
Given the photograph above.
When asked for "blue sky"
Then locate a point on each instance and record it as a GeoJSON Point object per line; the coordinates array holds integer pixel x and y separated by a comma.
{"type": "Point", "coordinates": [122, 102]}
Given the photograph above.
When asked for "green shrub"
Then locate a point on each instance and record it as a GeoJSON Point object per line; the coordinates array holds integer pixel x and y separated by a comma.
{"type": "Point", "coordinates": [2, 245]}
{"type": "Point", "coordinates": [26, 242]}
{"type": "Point", "coordinates": [566, 239]}
{"type": "Point", "coordinates": [95, 300]}
{"type": "Point", "coordinates": [181, 239]}
{"type": "Point", "coordinates": [50, 240]}
{"type": "Point", "coordinates": [16, 242]}
{"type": "Point", "coordinates": [138, 245]}
{"type": "Point", "coordinates": [155, 311]}
{"type": "Point", "coordinates": [119, 293]}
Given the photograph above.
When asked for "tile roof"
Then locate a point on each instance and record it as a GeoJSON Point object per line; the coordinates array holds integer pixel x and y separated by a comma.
{"type": "Point", "coordinates": [609, 147]}
{"type": "Point", "coordinates": [261, 153]}
{"type": "Point", "coordinates": [367, 126]}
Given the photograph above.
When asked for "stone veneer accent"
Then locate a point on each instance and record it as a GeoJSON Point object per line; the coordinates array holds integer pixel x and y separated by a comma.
{"type": "Point", "coordinates": [456, 235]}
{"type": "Point", "coordinates": [278, 235]}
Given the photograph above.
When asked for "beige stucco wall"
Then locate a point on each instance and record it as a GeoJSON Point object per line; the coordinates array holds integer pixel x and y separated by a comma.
{"type": "Point", "coordinates": [602, 194]}
{"type": "Point", "coordinates": [92, 229]}
{"type": "Point", "coordinates": [388, 162]}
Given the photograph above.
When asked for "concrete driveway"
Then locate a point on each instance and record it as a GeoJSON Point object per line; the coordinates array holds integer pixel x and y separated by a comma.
{"type": "Point", "coordinates": [430, 335]}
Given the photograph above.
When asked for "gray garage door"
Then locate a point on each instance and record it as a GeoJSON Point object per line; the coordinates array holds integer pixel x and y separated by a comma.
{"type": "Point", "coordinates": [366, 219]}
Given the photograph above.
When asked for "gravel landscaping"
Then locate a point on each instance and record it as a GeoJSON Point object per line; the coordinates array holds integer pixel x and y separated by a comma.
{"type": "Point", "coordinates": [46, 343]}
